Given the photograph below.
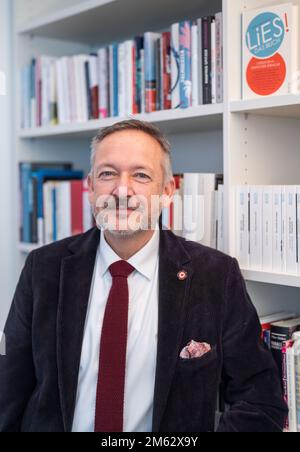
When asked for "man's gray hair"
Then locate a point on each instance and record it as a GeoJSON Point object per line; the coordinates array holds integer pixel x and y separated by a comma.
{"type": "Point", "coordinates": [141, 126]}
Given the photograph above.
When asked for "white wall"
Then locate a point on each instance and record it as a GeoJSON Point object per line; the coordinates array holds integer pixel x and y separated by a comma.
{"type": "Point", "coordinates": [7, 258]}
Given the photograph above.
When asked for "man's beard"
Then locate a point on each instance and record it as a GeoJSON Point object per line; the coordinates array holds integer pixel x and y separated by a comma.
{"type": "Point", "coordinates": [119, 222]}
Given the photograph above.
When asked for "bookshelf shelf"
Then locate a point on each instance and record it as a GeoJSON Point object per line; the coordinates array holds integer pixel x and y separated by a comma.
{"type": "Point", "coordinates": [204, 117]}
{"type": "Point", "coordinates": [285, 106]}
{"type": "Point", "coordinates": [282, 279]}
{"type": "Point", "coordinates": [96, 21]}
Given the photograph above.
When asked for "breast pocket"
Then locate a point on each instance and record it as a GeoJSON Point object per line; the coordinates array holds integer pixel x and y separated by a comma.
{"type": "Point", "coordinates": [210, 359]}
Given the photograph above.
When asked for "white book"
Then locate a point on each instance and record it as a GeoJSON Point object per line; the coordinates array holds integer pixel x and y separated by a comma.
{"type": "Point", "coordinates": [63, 210]}
{"type": "Point", "coordinates": [270, 40]}
{"type": "Point", "coordinates": [296, 338]}
{"type": "Point", "coordinates": [298, 228]}
{"type": "Point", "coordinates": [267, 229]}
{"type": "Point", "coordinates": [213, 62]}
{"type": "Point", "coordinates": [207, 186]}
{"type": "Point", "coordinates": [175, 71]}
{"type": "Point", "coordinates": [72, 90]}
{"type": "Point", "coordinates": [195, 65]}
{"type": "Point", "coordinates": [219, 56]}
{"type": "Point", "coordinates": [66, 87]}
{"type": "Point", "coordinates": [291, 230]}
{"type": "Point", "coordinates": [256, 235]}
{"type": "Point", "coordinates": [200, 60]}
{"type": "Point", "coordinates": [60, 94]}
{"type": "Point", "coordinates": [221, 216]}
{"type": "Point", "coordinates": [178, 211]}
{"type": "Point", "coordinates": [45, 79]}
{"type": "Point", "coordinates": [193, 210]}
{"type": "Point", "coordinates": [121, 80]}
{"type": "Point", "coordinates": [129, 76]}
{"type": "Point", "coordinates": [277, 228]}
{"type": "Point", "coordinates": [291, 388]}
{"type": "Point", "coordinates": [53, 93]}
{"type": "Point", "coordinates": [77, 78]}
{"type": "Point", "coordinates": [242, 221]}
{"type": "Point", "coordinates": [103, 82]}
{"type": "Point", "coordinates": [48, 212]}
{"type": "Point", "coordinates": [283, 229]}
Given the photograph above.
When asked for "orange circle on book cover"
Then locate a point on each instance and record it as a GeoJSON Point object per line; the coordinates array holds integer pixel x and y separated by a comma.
{"type": "Point", "coordinates": [266, 76]}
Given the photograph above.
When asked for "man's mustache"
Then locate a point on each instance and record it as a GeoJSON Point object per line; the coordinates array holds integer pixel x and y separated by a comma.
{"type": "Point", "coordinates": [115, 203]}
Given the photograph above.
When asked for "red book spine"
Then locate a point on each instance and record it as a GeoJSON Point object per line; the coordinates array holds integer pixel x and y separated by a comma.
{"type": "Point", "coordinates": [166, 43]}
{"type": "Point", "coordinates": [77, 206]}
{"type": "Point", "coordinates": [134, 81]}
{"type": "Point", "coordinates": [95, 102]}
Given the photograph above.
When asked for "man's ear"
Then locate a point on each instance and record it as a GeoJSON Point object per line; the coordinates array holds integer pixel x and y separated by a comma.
{"type": "Point", "coordinates": [168, 192]}
{"type": "Point", "coordinates": [90, 182]}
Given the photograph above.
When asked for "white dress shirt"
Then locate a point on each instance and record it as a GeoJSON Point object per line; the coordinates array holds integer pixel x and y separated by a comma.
{"type": "Point", "coordinates": [141, 342]}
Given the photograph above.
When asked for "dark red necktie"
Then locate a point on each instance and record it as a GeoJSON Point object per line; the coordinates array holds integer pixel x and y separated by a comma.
{"type": "Point", "coordinates": [112, 359]}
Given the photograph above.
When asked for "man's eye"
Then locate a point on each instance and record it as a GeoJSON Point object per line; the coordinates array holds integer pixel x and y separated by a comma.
{"type": "Point", "coordinates": [142, 175]}
{"type": "Point", "coordinates": [106, 174]}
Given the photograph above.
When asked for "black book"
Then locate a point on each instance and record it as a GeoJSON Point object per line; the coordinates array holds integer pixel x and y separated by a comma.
{"type": "Point", "coordinates": [206, 60]}
{"type": "Point", "coordinates": [281, 332]}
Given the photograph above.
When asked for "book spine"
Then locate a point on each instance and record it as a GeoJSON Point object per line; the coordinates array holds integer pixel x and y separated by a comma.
{"type": "Point", "coordinates": [185, 64]}
{"type": "Point", "coordinates": [267, 229]}
{"type": "Point", "coordinates": [121, 80]}
{"type": "Point", "coordinates": [103, 83]}
{"type": "Point", "coordinates": [213, 61]}
{"type": "Point", "coordinates": [291, 386]}
{"type": "Point", "coordinates": [150, 72]}
{"type": "Point", "coordinates": [206, 63]}
{"type": "Point", "coordinates": [277, 228]}
{"type": "Point", "coordinates": [243, 221]}
{"type": "Point", "coordinates": [291, 230]}
{"type": "Point", "coordinates": [200, 62]}
{"type": "Point", "coordinates": [166, 70]}
{"type": "Point", "coordinates": [76, 207]}
{"type": "Point", "coordinates": [195, 64]}
{"type": "Point", "coordinates": [175, 66]}
{"type": "Point", "coordinates": [219, 56]}
{"type": "Point", "coordinates": [285, 378]}
{"type": "Point", "coordinates": [139, 45]}
{"type": "Point", "coordinates": [256, 228]}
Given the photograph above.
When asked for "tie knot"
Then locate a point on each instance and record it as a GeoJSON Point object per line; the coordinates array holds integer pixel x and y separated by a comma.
{"type": "Point", "coordinates": [121, 268]}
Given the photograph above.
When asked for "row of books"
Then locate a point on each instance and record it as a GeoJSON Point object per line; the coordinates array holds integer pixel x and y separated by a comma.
{"type": "Point", "coordinates": [281, 334]}
{"type": "Point", "coordinates": [178, 68]}
{"type": "Point", "coordinates": [268, 228]}
{"type": "Point", "coordinates": [54, 202]}
{"type": "Point", "coordinates": [197, 210]}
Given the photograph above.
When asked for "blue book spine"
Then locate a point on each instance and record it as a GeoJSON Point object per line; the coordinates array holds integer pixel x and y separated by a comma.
{"type": "Point", "coordinates": [25, 182]}
{"type": "Point", "coordinates": [54, 224]}
{"type": "Point", "coordinates": [185, 64]}
{"type": "Point", "coordinates": [115, 80]}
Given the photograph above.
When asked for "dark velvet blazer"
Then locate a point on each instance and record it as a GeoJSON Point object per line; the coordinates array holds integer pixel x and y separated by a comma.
{"type": "Point", "coordinates": [44, 335]}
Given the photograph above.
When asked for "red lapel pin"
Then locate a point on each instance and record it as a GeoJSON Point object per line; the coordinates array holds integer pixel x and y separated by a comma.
{"type": "Point", "coordinates": [182, 275]}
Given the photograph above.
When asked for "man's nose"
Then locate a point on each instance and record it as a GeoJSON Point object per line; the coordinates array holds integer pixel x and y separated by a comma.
{"type": "Point", "coordinates": [123, 188]}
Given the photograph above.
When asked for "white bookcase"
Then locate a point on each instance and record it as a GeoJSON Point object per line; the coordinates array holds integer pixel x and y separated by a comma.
{"type": "Point", "coordinates": [254, 142]}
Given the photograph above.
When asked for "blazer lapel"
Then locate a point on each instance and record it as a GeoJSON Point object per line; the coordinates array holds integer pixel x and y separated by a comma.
{"type": "Point", "coordinates": [173, 296]}
{"type": "Point", "coordinates": [75, 283]}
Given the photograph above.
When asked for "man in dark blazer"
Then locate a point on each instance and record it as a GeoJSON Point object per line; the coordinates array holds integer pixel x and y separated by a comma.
{"type": "Point", "coordinates": [201, 297]}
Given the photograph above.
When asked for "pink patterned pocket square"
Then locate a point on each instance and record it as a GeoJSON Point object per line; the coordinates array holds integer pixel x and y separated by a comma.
{"type": "Point", "coordinates": [195, 350]}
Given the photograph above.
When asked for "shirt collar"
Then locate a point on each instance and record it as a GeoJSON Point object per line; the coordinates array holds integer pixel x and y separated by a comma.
{"type": "Point", "coordinates": [144, 261]}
